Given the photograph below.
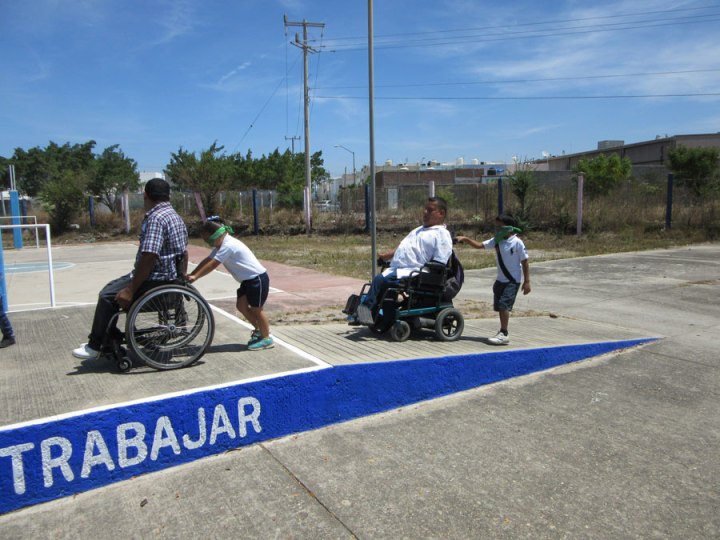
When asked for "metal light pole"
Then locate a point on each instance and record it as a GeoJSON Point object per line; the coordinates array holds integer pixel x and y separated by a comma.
{"type": "Point", "coordinates": [353, 155]}
{"type": "Point", "coordinates": [371, 95]}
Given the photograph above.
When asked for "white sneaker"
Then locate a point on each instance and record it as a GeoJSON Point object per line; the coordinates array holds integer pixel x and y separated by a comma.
{"type": "Point", "coordinates": [499, 339]}
{"type": "Point", "coordinates": [85, 352]}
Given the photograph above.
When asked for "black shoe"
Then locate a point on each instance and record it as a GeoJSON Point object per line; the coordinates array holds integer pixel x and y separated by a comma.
{"type": "Point", "coordinates": [7, 341]}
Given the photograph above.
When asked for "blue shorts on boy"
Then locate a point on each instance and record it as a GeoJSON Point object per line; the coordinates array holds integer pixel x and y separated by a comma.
{"type": "Point", "coordinates": [242, 264]}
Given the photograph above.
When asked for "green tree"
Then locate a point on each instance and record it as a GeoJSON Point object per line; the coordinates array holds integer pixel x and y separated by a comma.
{"type": "Point", "coordinates": [697, 169]}
{"type": "Point", "coordinates": [114, 173]}
{"type": "Point", "coordinates": [603, 174]}
{"type": "Point", "coordinates": [38, 166]}
{"type": "Point", "coordinates": [62, 197]}
{"type": "Point", "coordinates": [523, 185]}
{"type": "Point", "coordinates": [212, 173]}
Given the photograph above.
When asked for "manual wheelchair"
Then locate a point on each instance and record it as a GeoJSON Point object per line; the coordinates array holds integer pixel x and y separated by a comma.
{"type": "Point", "coordinates": [419, 301]}
{"type": "Point", "coordinates": [167, 327]}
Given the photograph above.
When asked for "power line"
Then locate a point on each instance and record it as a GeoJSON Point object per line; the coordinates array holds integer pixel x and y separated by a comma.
{"type": "Point", "coordinates": [362, 39]}
{"type": "Point", "coordinates": [524, 81]}
{"type": "Point", "coordinates": [525, 98]}
{"type": "Point", "coordinates": [536, 23]}
{"type": "Point", "coordinates": [513, 36]}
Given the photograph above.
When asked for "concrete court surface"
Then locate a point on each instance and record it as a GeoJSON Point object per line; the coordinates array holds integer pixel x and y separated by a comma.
{"type": "Point", "coordinates": [623, 446]}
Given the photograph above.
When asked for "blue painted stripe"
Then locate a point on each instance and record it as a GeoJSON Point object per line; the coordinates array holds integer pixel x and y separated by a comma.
{"type": "Point", "coordinates": [45, 461]}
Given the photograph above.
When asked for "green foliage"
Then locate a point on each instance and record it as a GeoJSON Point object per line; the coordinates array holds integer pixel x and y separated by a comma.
{"type": "Point", "coordinates": [212, 173]}
{"type": "Point", "coordinates": [38, 166]}
{"type": "Point", "coordinates": [524, 186]}
{"type": "Point", "coordinates": [62, 198]}
{"type": "Point", "coordinates": [114, 173]}
{"type": "Point", "coordinates": [603, 174]}
{"type": "Point", "coordinates": [697, 169]}
{"type": "Point", "coordinates": [449, 197]}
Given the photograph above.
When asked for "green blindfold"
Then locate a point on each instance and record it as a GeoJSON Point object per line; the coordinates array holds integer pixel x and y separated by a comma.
{"type": "Point", "coordinates": [217, 234]}
{"type": "Point", "coordinates": [502, 233]}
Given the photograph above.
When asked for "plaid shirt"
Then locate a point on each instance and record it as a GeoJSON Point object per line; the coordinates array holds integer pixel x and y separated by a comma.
{"type": "Point", "coordinates": [163, 232]}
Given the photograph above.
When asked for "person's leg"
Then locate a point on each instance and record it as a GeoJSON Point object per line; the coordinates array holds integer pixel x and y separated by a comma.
{"type": "Point", "coordinates": [503, 299]}
{"type": "Point", "coordinates": [5, 326]}
{"type": "Point", "coordinates": [261, 320]}
{"type": "Point", "coordinates": [256, 297]}
{"type": "Point", "coordinates": [8, 336]}
{"type": "Point", "coordinates": [242, 307]}
{"type": "Point", "coordinates": [504, 320]}
{"type": "Point", "coordinates": [105, 309]}
{"type": "Point", "coordinates": [378, 285]}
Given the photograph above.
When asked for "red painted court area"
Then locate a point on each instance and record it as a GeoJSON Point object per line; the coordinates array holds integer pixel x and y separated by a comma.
{"type": "Point", "coordinates": [298, 289]}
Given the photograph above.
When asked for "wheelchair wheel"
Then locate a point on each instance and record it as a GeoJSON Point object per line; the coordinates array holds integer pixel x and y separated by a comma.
{"type": "Point", "coordinates": [449, 325]}
{"type": "Point", "coordinates": [170, 327]}
{"type": "Point", "coordinates": [400, 331]}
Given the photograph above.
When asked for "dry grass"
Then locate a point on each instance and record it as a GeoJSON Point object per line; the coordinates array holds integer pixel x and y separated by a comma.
{"type": "Point", "coordinates": [349, 255]}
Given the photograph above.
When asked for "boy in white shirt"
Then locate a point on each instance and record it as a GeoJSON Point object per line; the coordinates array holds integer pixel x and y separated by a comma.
{"type": "Point", "coordinates": [246, 269]}
{"type": "Point", "coordinates": [511, 258]}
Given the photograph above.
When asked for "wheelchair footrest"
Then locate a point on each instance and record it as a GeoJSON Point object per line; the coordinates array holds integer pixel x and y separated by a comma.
{"type": "Point", "coordinates": [364, 315]}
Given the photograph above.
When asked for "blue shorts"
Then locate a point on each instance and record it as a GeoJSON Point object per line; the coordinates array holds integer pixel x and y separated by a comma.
{"type": "Point", "coordinates": [504, 295]}
{"type": "Point", "coordinates": [256, 290]}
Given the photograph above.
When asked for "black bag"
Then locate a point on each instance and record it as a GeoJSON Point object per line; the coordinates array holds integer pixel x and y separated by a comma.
{"type": "Point", "coordinates": [351, 305]}
{"type": "Point", "coordinates": [455, 280]}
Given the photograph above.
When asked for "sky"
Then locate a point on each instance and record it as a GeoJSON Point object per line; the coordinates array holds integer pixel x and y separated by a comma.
{"type": "Point", "coordinates": [452, 78]}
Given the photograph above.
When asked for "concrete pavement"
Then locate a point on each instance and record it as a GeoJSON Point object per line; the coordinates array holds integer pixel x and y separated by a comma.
{"type": "Point", "coordinates": [624, 445]}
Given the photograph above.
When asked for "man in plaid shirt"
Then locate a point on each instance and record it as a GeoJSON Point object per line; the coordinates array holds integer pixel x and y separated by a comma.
{"type": "Point", "coordinates": [161, 255]}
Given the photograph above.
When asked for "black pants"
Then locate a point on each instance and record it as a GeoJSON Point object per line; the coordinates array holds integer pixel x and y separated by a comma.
{"type": "Point", "coordinates": [107, 307]}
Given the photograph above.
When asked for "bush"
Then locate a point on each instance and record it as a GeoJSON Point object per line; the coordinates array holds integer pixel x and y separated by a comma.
{"type": "Point", "coordinates": [62, 198]}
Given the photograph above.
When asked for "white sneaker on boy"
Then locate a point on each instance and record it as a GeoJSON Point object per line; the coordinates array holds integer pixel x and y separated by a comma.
{"type": "Point", "coordinates": [499, 339]}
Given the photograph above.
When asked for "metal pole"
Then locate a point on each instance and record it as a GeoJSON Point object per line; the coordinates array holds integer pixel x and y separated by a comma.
{"type": "Point", "coordinates": [581, 183]}
{"type": "Point", "coordinates": [256, 219]}
{"type": "Point", "coordinates": [669, 204]}
{"type": "Point", "coordinates": [3, 290]}
{"type": "Point", "coordinates": [15, 213]}
{"type": "Point", "coordinates": [501, 202]}
{"type": "Point", "coordinates": [308, 207]}
{"type": "Point", "coordinates": [304, 46]}
{"type": "Point", "coordinates": [371, 94]}
{"type": "Point", "coordinates": [50, 266]}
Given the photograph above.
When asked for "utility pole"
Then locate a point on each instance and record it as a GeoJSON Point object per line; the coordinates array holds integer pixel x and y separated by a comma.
{"type": "Point", "coordinates": [306, 48]}
{"type": "Point", "coordinates": [293, 139]}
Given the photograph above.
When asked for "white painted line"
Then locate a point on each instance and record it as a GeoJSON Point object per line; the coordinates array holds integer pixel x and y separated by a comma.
{"type": "Point", "coordinates": [291, 348]}
{"type": "Point", "coordinates": [216, 271]}
{"type": "Point", "coordinates": [319, 365]}
{"type": "Point", "coordinates": [159, 397]}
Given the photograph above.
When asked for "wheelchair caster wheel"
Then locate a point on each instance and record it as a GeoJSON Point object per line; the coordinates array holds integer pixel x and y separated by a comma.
{"type": "Point", "coordinates": [449, 325]}
{"type": "Point", "coordinates": [400, 331]}
{"type": "Point", "coordinates": [124, 365]}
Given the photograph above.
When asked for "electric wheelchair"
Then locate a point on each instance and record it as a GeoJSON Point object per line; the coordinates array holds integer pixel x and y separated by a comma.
{"type": "Point", "coordinates": [420, 301]}
{"type": "Point", "coordinates": [167, 327]}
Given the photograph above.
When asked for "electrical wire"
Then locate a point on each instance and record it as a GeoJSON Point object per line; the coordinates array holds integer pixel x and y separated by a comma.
{"type": "Point", "coordinates": [535, 23]}
{"type": "Point", "coordinates": [526, 98]}
{"type": "Point", "coordinates": [525, 81]}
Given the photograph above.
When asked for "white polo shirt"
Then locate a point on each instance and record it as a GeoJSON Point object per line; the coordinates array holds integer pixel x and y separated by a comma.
{"type": "Point", "coordinates": [513, 252]}
{"type": "Point", "coordinates": [421, 246]}
{"type": "Point", "coordinates": [238, 259]}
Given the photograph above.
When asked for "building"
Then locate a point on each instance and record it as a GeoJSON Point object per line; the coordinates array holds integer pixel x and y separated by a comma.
{"type": "Point", "coordinates": [643, 154]}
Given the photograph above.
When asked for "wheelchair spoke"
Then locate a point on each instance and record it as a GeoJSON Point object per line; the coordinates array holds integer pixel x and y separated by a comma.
{"type": "Point", "coordinates": [171, 327]}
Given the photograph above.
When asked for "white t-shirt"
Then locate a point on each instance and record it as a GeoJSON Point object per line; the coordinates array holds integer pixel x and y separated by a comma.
{"type": "Point", "coordinates": [513, 252]}
{"type": "Point", "coordinates": [422, 245]}
{"type": "Point", "coordinates": [238, 259]}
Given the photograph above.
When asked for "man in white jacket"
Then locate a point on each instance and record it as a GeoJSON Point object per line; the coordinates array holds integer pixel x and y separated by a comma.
{"type": "Point", "coordinates": [429, 242]}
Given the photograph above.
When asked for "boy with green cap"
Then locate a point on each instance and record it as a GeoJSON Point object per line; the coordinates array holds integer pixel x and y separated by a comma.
{"type": "Point", "coordinates": [511, 258]}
